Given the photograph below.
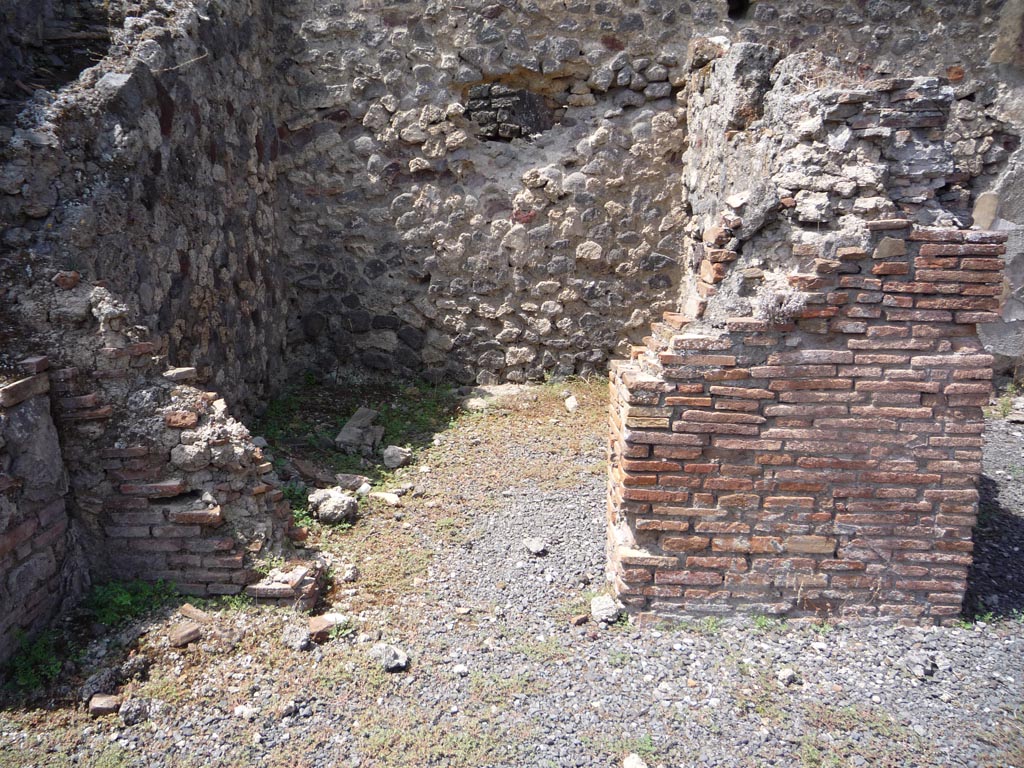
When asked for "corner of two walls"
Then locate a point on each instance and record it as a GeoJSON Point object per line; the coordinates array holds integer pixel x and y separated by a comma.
{"type": "Point", "coordinates": [36, 572]}
{"type": "Point", "coordinates": [235, 192]}
{"type": "Point", "coordinates": [143, 289]}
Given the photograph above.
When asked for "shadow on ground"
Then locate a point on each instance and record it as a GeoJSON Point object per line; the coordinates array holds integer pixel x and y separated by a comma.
{"type": "Point", "coordinates": [995, 583]}
{"type": "Point", "coordinates": [301, 424]}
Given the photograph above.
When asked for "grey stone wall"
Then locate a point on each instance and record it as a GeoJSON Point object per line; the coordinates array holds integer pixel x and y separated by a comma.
{"type": "Point", "coordinates": [153, 175]}
{"type": "Point", "coordinates": [138, 213]}
{"type": "Point", "coordinates": [21, 25]}
{"type": "Point", "coordinates": [423, 235]}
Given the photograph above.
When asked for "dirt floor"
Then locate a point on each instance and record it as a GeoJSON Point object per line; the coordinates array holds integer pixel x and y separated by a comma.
{"type": "Point", "coordinates": [503, 668]}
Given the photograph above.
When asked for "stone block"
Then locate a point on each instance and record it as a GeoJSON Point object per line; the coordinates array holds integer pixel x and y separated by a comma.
{"type": "Point", "coordinates": [19, 391]}
{"type": "Point", "coordinates": [184, 633]}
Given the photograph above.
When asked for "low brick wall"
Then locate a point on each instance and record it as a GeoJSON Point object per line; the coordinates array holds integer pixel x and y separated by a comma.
{"type": "Point", "coordinates": [822, 466]}
{"type": "Point", "coordinates": [174, 489]}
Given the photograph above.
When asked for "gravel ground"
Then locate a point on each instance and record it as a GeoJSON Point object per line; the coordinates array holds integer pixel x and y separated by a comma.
{"type": "Point", "coordinates": [499, 674]}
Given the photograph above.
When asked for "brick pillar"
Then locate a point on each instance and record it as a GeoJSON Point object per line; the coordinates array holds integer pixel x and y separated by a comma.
{"type": "Point", "coordinates": [825, 466]}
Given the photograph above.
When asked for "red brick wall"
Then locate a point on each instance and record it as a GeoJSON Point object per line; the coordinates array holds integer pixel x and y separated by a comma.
{"type": "Point", "coordinates": [826, 466]}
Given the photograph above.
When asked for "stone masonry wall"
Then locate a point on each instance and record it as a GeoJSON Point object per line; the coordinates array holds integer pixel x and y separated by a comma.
{"type": "Point", "coordinates": [468, 191]}
{"type": "Point", "coordinates": [137, 254]}
{"type": "Point", "coordinates": [424, 240]}
{"type": "Point", "coordinates": [152, 175]}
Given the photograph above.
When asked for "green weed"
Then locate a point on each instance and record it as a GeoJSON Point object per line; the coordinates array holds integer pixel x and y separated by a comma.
{"type": "Point", "coordinates": [117, 602]}
{"type": "Point", "coordinates": [833, 735]}
{"type": "Point", "coordinates": [297, 496]}
{"type": "Point", "coordinates": [1004, 404]}
{"type": "Point", "coordinates": [577, 606]}
{"type": "Point", "coordinates": [305, 419]}
{"type": "Point", "coordinates": [618, 658]}
{"type": "Point", "coordinates": [490, 688]}
{"type": "Point", "coordinates": [642, 745]}
{"type": "Point", "coordinates": [987, 617]}
{"type": "Point", "coordinates": [267, 564]}
{"type": "Point", "coordinates": [239, 602]}
{"type": "Point", "coordinates": [449, 528]}
{"type": "Point", "coordinates": [548, 649]}
{"type": "Point", "coordinates": [112, 756]}
{"type": "Point", "coordinates": [344, 629]}
{"type": "Point", "coordinates": [709, 625]}
{"type": "Point", "coordinates": [766, 624]}
{"type": "Point", "coordinates": [36, 662]}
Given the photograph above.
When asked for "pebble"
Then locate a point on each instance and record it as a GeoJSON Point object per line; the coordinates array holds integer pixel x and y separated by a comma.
{"type": "Point", "coordinates": [134, 711]}
{"type": "Point", "coordinates": [296, 637]}
{"type": "Point", "coordinates": [786, 676]}
{"type": "Point", "coordinates": [390, 657]}
{"type": "Point", "coordinates": [536, 546]}
{"type": "Point", "coordinates": [103, 704]}
{"type": "Point", "coordinates": [604, 608]}
{"type": "Point", "coordinates": [184, 633]}
{"type": "Point", "coordinates": [396, 456]}
{"type": "Point", "coordinates": [701, 694]}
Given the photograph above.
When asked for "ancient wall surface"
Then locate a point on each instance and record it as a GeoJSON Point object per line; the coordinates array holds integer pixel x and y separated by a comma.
{"type": "Point", "coordinates": [822, 466]}
{"type": "Point", "coordinates": [138, 256]}
{"type": "Point", "coordinates": [153, 176]}
{"type": "Point", "coordinates": [36, 574]}
{"type": "Point", "coordinates": [422, 239]}
{"type": "Point", "coordinates": [807, 442]}
{"type": "Point", "coordinates": [475, 192]}
{"type": "Point", "coordinates": [21, 26]}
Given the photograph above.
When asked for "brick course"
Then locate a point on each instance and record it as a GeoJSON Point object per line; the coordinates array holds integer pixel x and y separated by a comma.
{"type": "Point", "coordinates": [835, 478]}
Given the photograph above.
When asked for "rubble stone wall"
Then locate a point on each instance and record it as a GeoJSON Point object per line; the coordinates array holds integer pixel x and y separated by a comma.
{"type": "Point", "coordinates": [138, 255]}
{"type": "Point", "coordinates": [153, 176]}
{"type": "Point", "coordinates": [423, 240]}
{"type": "Point", "coordinates": [21, 25]}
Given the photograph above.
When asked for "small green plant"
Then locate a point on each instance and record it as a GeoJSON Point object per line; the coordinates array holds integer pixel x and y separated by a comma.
{"type": "Point", "coordinates": [577, 606]}
{"type": "Point", "coordinates": [267, 564]}
{"type": "Point", "coordinates": [544, 650]}
{"type": "Point", "coordinates": [824, 628]}
{"type": "Point", "coordinates": [1004, 404]}
{"type": "Point", "coordinates": [711, 625]}
{"type": "Point", "coordinates": [297, 496]}
{"type": "Point", "coordinates": [642, 745]}
{"type": "Point", "coordinates": [36, 662]}
{"type": "Point", "coordinates": [448, 528]}
{"type": "Point", "coordinates": [239, 602]}
{"type": "Point", "coordinates": [344, 629]}
{"type": "Point", "coordinates": [117, 602]}
{"type": "Point", "coordinates": [618, 658]}
{"type": "Point", "coordinates": [765, 624]}
{"type": "Point", "coordinates": [112, 756]}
